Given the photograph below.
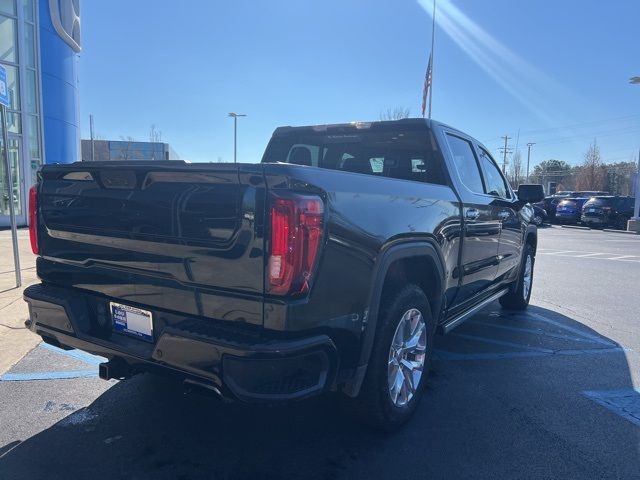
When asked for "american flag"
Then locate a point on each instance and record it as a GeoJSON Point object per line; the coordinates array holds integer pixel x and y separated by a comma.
{"type": "Point", "coordinates": [427, 85]}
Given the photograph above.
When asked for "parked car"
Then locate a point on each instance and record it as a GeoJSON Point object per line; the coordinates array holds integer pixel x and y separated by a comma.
{"type": "Point", "coordinates": [539, 215]}
{"type": "Point", "coordinates": [328, 266]}
{"type": "Point", "coordinates": [608, 211]}
{"type": "Point", "coordinates": [569, 210]}
{"type": "Point", "coordinates": [550, 203]}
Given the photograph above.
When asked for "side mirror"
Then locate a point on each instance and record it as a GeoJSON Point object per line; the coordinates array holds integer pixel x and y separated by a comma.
{"type": "Point", "coordinates": [530, 193]}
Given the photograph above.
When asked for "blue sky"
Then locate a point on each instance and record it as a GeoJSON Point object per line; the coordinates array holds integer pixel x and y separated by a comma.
{"type": "Point", "coordinates": [557, 71]}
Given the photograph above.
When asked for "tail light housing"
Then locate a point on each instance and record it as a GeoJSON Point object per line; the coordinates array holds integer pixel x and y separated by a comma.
{"type": "Point", "coordinates": [297, 224]}
{"type": "Point", "coordinates": [33, 219]}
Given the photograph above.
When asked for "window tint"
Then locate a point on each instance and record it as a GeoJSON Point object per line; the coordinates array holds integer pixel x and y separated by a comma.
{"type": "Point", "coordinates": [406, 155]}
{"type": "Point", "coordinates": [625, 203]}
{"type": "Point", "coordinates": [465, 161]}
{"type": "Point", "coordinates": [303, 154]}
{"type": "Point", "coordinates": [494, 181]}
{"type": "Point", "coordinates": [601, 201]}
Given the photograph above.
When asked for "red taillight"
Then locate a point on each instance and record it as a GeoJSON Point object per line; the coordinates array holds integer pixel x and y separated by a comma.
{"type": "Point", "coordinates": [296, 234]}
{"type": "Point", "coordinates": [33, 218]}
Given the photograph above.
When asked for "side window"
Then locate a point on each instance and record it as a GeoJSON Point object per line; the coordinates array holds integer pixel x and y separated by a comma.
{"type": "Point", "coordinates": [302, 154]}
{"type": "Point", "coordinates": [377, 164]}
{"type": "Point", "coordinates": [466, 164]}
{"type": "Point", "coordinates": [494, 181]}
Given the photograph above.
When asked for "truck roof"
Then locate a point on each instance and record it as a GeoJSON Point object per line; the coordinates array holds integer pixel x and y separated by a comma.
{"type": "Point", "coordinates": [382, 124]}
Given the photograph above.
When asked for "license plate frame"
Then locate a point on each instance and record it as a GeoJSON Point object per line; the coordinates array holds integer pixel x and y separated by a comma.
{"type": "Point", "coordinates": [132, 321]}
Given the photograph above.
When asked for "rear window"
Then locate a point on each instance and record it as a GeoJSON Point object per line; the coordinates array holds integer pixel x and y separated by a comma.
{"type": "Point", "coordinates": [407, 155]}
{"type": "Point", "coordinates": [601, 202]}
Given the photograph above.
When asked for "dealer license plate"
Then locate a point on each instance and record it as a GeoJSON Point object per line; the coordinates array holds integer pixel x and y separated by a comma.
{"type": "Point", "coordinates": [132, 321]}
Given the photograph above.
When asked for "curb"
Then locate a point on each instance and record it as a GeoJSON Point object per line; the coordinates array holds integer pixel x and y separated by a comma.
{"type": "Point", "coordinates": [576, 227]}
{"type": "Point", "coordinates": [628, 232]}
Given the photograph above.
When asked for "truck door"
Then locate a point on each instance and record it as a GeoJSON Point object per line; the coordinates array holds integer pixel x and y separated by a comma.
{"type": "Point", "coordinates": [479, 265]}
{"type": "Point", "coordinates": [507, 210]}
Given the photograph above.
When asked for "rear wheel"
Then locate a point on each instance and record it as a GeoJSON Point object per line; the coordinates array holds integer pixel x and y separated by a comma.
{"type": "Point", "coordinates": [399, 363]}
{"type": "Point", "coordinates": [621, 224]}
{"type": "Point", "coordinates": [537, 220]}
{"type": "Point", "coordinates": [518, 296]}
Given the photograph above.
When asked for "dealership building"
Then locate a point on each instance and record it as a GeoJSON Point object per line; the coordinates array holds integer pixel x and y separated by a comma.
{"type": "Point", "coordinates": [39, 47]}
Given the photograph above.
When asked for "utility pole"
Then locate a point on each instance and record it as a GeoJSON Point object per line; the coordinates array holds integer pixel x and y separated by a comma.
{"type": "Point", "coordinates": [93, 150]}
{"type": "Point", "coordinates": [529, 145]}
{"type": "Point", "coordinates": [505, 150]}
{"type": "Point", "coordinates": [235, 133]}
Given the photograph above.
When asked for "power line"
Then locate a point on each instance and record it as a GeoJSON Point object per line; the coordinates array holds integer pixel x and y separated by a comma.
{"type": "Point", "coordinates": [576, 126]}
{"type": "Point", "coordinates": [608, 133]}
{"type": "Point", "coordinates": [582, 124]}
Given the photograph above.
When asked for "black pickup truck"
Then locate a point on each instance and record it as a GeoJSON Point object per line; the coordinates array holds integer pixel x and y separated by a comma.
{"type": "Point", "coordinates": [330, 265]}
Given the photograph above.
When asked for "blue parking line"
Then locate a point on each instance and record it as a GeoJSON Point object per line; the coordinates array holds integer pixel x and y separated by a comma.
{"type": "Point", "coordinates": [577, 331]}
{"type": "Point", "coordinates": [454, 356]}
{"type": "Point", "coordinates": [536, 332]}
{"type": "Point", "coordinates": [24, 377]}
{"type": "Point", "coordinates": [502, 343]}
{"type": "Point", "coordinates": [624, 402]}
{"type": "Point", "coordinates": [77, 354]}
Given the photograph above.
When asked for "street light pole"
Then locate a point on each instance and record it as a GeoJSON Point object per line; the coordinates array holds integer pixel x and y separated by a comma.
{"type": "Point", "coordinates": [235, 133]}
{"type": "Point", "coordinates": [634, 223]}
{"type": "Point", "coordinates": [93, 148]}
{"type": "Point", "coordinates": [9, 181]}
{"type": "Point", "coordinates": [529, 145]}
{"type": "Point", "coordinates": [636, 207]}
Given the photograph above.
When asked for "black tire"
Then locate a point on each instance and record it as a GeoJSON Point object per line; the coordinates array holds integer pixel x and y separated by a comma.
{"type": "Point", "coordinates": [537, 220]}
{"type": "Point", "coordinates": [374, 405]}
{"type": "Point", "coordinates": [516, 298]}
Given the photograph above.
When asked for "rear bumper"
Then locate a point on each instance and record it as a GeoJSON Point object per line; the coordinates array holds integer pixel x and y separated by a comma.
{"type": "Point", "coordinates": [600, 220]}
{"type": "Point", "coordinates": [568, 217]}
{"type": "Point", "coordinates": [250, 366]}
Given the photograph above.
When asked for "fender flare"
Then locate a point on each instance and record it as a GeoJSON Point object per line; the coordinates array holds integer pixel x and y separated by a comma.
{"type": "Point", "coordinates": [530, 230]}
{"type": "Point", "coordinates": [389, 254]}
{"type": "Point", "coordinates": [533, 230]}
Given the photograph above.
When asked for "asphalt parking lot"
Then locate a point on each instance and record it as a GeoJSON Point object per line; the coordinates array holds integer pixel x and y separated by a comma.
{"type": "Point", "coordinates": [550, 393]}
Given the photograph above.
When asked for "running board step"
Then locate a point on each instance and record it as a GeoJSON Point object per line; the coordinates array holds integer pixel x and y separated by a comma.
{"type": "Point", "coordinates": [461, 318]}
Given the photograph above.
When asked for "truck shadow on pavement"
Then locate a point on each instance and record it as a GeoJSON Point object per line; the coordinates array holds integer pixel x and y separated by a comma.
{"type": "Point", "coordinates": [511, 395]}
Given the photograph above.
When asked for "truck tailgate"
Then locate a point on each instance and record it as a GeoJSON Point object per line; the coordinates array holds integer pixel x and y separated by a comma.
{"type": "Point", "coordinates": [182, 237]}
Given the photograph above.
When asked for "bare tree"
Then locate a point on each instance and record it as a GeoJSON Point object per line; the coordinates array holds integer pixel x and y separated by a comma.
{"type": "Point", "coordinates": [396, 113]}
{"type": "Point", "coordinates": [125, 153]}
{"type": "Point", "coordinates": [155, 136]}
{"type": "Point", "coordinates": [592, 174]}
{"type": "Point", "coordinates": [515, 170]}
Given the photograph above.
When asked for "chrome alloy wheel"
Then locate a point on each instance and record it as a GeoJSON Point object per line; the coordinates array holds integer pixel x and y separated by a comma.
{"type": "Point", "coordinates": [527, 277]}
{"type": "Point", "coordinates": [406, 357]}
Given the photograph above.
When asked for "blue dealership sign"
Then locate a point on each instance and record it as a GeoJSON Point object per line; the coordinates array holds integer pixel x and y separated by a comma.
{"type": "Point", "coordinates": [4, 91]}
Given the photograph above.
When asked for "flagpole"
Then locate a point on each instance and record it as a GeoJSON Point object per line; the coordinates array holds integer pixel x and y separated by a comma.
{"type": "Point", "coordinates": [433, 39]}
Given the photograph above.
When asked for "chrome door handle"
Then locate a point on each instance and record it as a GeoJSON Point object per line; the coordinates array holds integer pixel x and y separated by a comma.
{"type": "Point", "coordinates": [504, 214]}
{"type": "Point", "coordinates": [472, 214]}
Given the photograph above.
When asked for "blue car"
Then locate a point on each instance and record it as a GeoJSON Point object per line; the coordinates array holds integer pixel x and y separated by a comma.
{"type": "Point", "coordinates": [569, 210]}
